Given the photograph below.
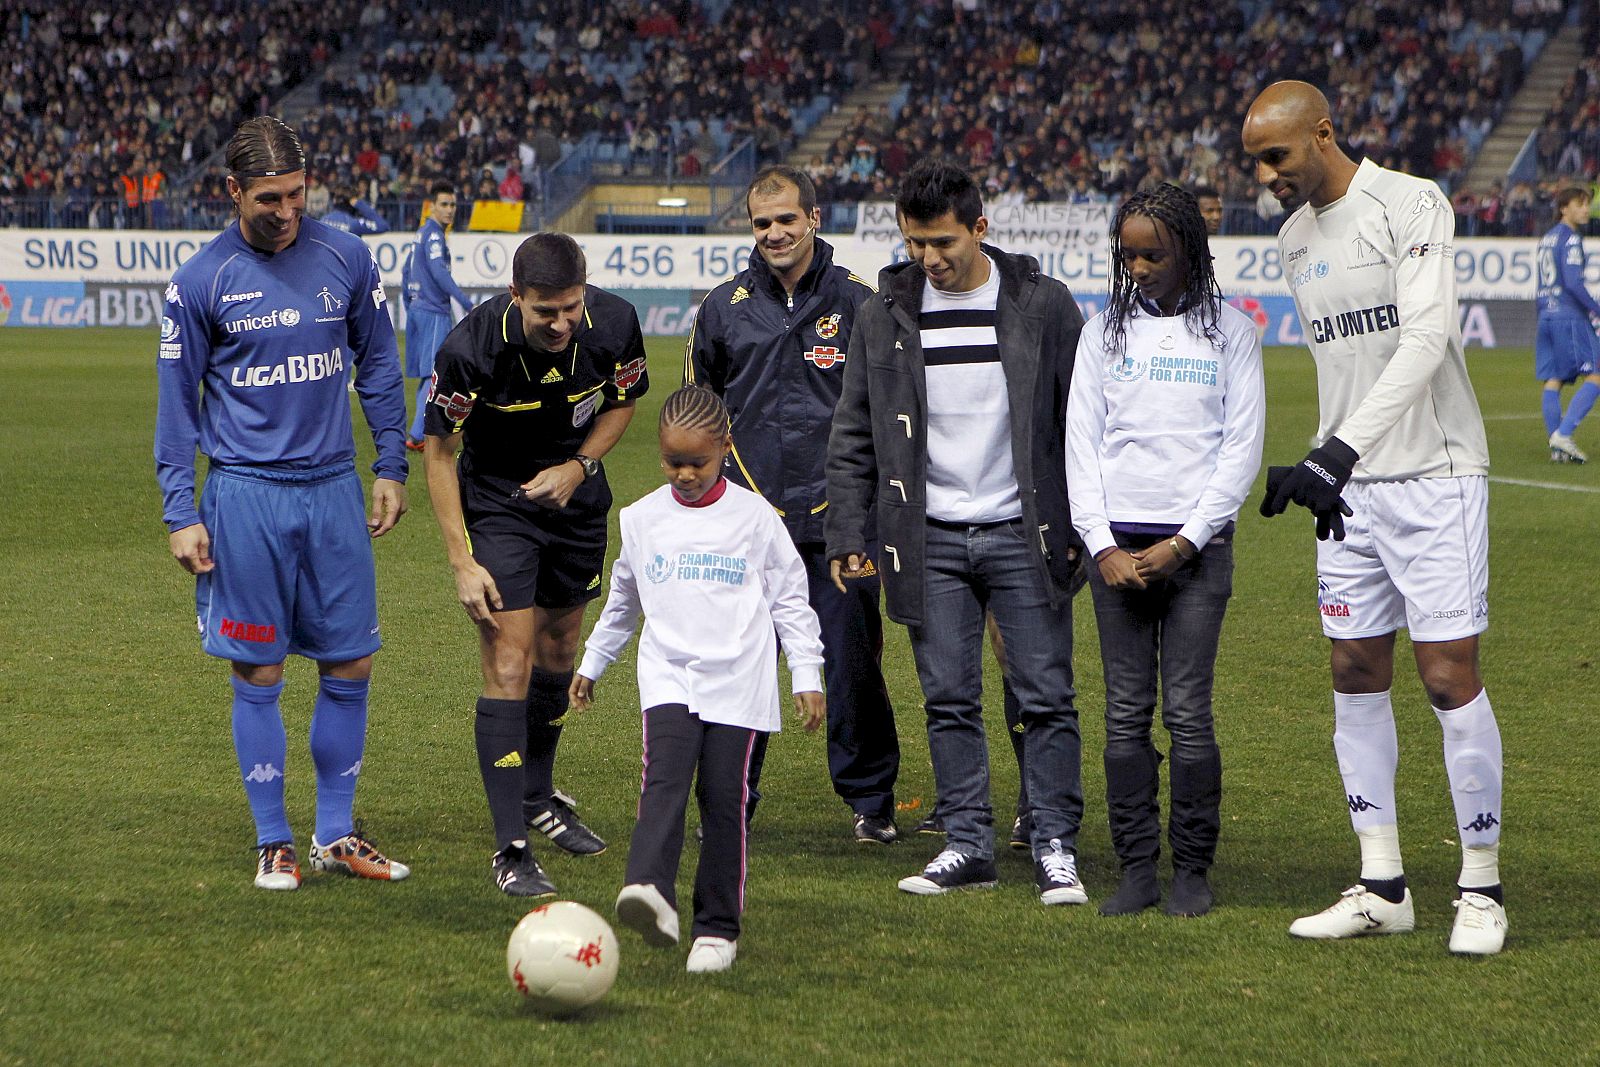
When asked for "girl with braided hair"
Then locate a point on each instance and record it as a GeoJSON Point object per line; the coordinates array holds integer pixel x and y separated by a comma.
{"type": "Point", "coordinates": [711, 567]}
{"type": "Point", "coordinates": [1165, 421]}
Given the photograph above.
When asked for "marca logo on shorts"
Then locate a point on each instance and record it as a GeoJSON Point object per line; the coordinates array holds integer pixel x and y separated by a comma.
{"type": "Point", "coordinates": [248, 631]}
{"type": "Point", "coordinates": [234, 298]}
{"type": "Point", "coordinates": [309, 368]}
{"type": "Point", "coordinates": [1331, 604]}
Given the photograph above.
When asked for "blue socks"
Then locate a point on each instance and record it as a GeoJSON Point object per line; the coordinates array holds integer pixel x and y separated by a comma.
{"type": "Point", "coordinates": [423, 385]}
{"type": "Point", "coordinates": [1578, 407]}
{"type": "Point", "coordinates": [1552, 410]}
{"type": "Point", "coordinates": [260, 744]}
{"type": "Point", "coordinates": [338, 738]}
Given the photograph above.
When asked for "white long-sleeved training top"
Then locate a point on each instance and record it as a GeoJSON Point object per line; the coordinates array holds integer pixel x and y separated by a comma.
{"type": "Point", "coordinates": [719, 586]}
{"type": "Point", "coordinates": [1373, 277]}
{"type": "Point", "coordinates": [1167, 431]}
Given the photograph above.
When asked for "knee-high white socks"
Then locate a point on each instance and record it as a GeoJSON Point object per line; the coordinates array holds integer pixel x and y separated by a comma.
{"type": "Point", "coordinates": [1364, 742]}
{"type": "Point", "coordinates": [1473, 761]}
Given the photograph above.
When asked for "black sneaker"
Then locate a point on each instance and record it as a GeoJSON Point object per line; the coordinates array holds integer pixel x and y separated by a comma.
{"type": "Point", "coordinates": [933, 824]}
{"type": "Point", "coordinates": [559, 822]}
{"type": "Point", "coordinates": [1055, 873]}
{"type": "Point", "coordinates": [518, 874]}
{"type": "Point", "coordinates": [1022, 832]}
{"type": "Point", "coordinates": [872, 831]}
{"type": "Point", "coordinates": [951, 870]}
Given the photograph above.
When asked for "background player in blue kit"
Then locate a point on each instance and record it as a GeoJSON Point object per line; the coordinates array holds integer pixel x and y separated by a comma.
{"type": "Point", "coordinates": [1566, 347]}
{"type": "Point", "coordinates": [263, 329]}
{"type": "Point", "coordinates": [428, 314]}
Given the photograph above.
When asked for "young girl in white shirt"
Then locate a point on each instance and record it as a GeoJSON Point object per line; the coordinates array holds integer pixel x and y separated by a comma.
{"type": "Point", "coordinates": [719, 582]}
{"type": "Point", "coordinates": [1165, 420]}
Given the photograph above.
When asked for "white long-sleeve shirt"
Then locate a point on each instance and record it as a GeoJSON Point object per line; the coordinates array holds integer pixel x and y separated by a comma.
{"type": "Point", "coordinates": [1166, 432]}
{"type": "Point", "coordinates": [718, 585]}
{"type": "Point", "coordinates": [1373, 277]}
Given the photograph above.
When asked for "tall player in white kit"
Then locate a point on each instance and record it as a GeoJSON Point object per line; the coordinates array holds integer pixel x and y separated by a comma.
{"type": "Point", "coordinates": [1400, 482]}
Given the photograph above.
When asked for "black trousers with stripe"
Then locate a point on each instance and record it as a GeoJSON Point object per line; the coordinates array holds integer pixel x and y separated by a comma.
{"type": "Point", "coordinates": [680, 749]}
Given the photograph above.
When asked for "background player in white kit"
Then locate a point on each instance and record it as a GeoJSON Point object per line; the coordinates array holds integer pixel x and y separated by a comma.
{"type": "Point", "coordinates": [717, 576]}
{"type": "Point", "coordinates": [1369, 258]}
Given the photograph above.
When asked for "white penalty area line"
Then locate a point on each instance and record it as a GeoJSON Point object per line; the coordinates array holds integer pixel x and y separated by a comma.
{"type": "Point", "coordinates": [1511, 418]}
{"type": "Point", "coordinates": [1545, 485]}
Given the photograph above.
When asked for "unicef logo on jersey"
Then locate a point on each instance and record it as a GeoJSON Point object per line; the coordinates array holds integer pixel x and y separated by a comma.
{"type": "Point", "coordinates": [290, 317]}
{"type": "Point", "coordinates": [169, 329]}
{"type": "Point", "coordinates": [660, 569]}
{"type": "Point", "coordinates": [1126, 369]}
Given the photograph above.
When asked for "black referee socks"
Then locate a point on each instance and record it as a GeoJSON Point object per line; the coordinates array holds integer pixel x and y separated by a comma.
{"type": "Point", "coordinates": [501, 733]}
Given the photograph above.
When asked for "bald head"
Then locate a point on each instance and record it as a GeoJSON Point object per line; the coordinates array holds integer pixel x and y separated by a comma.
{"type": "Point", "coordinates": [1295, 105]}
{"type": "Point", "coordinates": [1289, 131]}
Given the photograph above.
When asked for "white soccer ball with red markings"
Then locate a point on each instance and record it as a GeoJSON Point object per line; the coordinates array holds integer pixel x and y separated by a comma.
{"type": "Point", "coordinates": [562, 957]}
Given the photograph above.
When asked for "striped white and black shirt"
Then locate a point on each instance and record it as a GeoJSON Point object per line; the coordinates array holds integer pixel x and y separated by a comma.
{"type": "Point", "coordinates": [970, 474]}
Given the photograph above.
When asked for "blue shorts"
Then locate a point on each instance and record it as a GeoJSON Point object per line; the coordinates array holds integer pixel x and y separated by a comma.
{"type": "Point", "coordinates": [425, 332]}
{"type": "Point", "coordinates": [1565, 349]}
{"type": "Point", "coordinates": [294, 570]}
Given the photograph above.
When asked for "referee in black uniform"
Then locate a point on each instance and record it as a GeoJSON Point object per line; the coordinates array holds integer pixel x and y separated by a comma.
{"type": "Point", "coordinates": [535, 387]}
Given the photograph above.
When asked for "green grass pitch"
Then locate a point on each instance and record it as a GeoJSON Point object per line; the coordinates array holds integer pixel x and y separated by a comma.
{"type": "Point", "coordinates": [132, 934]}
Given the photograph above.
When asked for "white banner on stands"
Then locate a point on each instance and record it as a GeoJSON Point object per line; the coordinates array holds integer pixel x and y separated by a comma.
{"type": "Point", "coordinates": [1068, 241]}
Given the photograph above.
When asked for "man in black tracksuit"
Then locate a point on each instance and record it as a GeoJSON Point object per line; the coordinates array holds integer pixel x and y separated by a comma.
{"type": "Point", "coordinates": [771, 342]}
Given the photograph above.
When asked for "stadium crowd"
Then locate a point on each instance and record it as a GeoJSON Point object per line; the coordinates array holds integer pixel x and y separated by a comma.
{"type": "Point", "coordinates": [109, 115]}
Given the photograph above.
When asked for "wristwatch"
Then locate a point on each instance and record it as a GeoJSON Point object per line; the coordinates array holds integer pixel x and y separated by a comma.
{"type": "Point", "coordinates": [591, 467]}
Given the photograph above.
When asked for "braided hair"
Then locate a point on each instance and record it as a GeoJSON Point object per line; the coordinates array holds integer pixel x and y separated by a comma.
{"type": "Point", "coordinates": [1201, 302]}
{"type": "Point", "coordinates": [694, 407]}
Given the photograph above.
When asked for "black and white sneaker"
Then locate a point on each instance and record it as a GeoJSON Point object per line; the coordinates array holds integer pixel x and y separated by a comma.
{"type": "Point", "coordinates": [872, 831]}
{"type": "Point", "coordinates": [951, 870]}
{"type": "Point", "coordinates": [1055, 872]}
{"type": "Point", "coordinates": [1022, 833]}
{"type": "Point", "coordinates": [518, 874]}
{"type": "Point", "coordinates": [559, 822]}
{"type": "Point", "coordinates": [933, 824]}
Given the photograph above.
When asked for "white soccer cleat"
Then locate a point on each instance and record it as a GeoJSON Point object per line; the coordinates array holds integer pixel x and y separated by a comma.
{"type": "Point", "coordinates": [641, 907]}
{"type": "Point", "coordinates": [1480, 928]}
{"type": "Point", "coordinates": [1560, 442]}
{"type": "Point", "coordinates": [1356, 914]}
{"type": "Point", "coordinates": [711, 954]}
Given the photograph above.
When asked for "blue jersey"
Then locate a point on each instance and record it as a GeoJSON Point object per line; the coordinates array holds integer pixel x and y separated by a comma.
{"type": "Point", "coordinates": [365, 219]}
{"type": "Point", "coordinates": [1561, 288]}
{"type": "Point", "coordinates": [256, 351]}
{"type": "Point", "coordinates": [431, 269]}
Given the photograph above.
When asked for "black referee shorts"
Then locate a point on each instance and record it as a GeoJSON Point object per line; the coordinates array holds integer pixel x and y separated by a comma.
{"type": "Point", "coordinates": [537, 556]}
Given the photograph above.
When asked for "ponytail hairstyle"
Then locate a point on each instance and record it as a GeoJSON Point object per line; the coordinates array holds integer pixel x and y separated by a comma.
{"type": "Point", "coordinates": [263, 147]}
{"type": "Point", "coordinates": [1201, 302]}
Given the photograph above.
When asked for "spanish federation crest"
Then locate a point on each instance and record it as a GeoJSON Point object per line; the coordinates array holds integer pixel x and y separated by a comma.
{"type": "Point", "coordinates": [828, 327]}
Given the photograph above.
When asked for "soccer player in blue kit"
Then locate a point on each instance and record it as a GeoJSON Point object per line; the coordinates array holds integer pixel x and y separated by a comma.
{"type": "Point", "coordinates": [263, 328]}
{"type": "Point", "coordinates": [428, 315]}
{"type": "Point", "coordinates": [1566, 347]}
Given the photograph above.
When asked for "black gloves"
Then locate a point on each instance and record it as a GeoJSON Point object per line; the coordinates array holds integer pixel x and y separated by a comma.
{"type": "Point", "coordinates": [1314, 483]}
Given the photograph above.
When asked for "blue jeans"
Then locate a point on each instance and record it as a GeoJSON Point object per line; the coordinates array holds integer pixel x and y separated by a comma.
{"type": "Point", "coordinates": [970, 569]}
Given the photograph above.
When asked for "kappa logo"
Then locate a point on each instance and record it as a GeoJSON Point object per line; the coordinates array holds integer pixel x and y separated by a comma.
{"type": "Point", "coordinates": [660, 569]}
{"type": "Point", "coordinates": [628, 374]}
{"type": "Point", "coordinates": [169, 329]}
{"type": "Point", "coordinates": [824, 356]}
{"type": "Point", "coordinates": [234, 298]}
{"type": "Point", "coordinates": [828, 327]}
{"type": "Point", "coordinates": [172, 294]}
{"type": "Point", "coordinates": [1484, 820]}
{"type": "Point", "coordinates": [355, 769]}
{"type": "Point", "coordinates": [263, 773]}
{"type": "Point", "coordinates": [1359, 803]}
{"type": "Point", "coordinates": [552, 376]}
{"type": "Point", "coordinates": [1428, 200]}
{"type": "Point", "coordinates": [739, 294]}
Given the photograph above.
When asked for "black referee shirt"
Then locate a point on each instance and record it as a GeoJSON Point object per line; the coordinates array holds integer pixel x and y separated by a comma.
{"type": "Point", "coordinates": [521, 409]}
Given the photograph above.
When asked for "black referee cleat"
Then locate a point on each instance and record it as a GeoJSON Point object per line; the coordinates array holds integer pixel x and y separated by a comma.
{"type": "Point", "coordinates": [870, 830]}
{"type": "Point", "coordinates": [559, 822]}
{"type": "Point", "coordinates": [518, 874]}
